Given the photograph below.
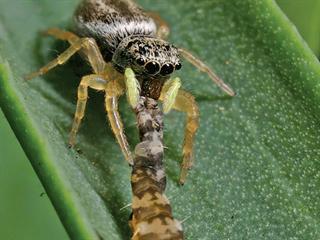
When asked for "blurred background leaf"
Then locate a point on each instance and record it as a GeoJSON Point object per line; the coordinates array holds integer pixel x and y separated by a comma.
{"type": "Point", "coordinates": [304, 14]}
{"type": "Point", "coordinates": [22, 222]}
{"type": "Point", "coordinates": [25, 210]}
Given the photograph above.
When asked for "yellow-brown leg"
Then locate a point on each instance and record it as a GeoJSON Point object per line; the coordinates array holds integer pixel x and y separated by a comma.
{"type": "Point", "coordinates": [204, 68]}
{"type": "Point", "coordinates": [93, 81]}
{"type": "Point", "coordinates": [62, 35]}
{"type": "Point", "coordinates": [62, 58]}
{"type": "Point", "coordinates": [88, 46]}
{"type": "Point", "coordinates": [185, 102]}
{"type": "Point", "coordinates": [113, 91]}
{"type": "Point", "coordinates": [96, 81]}
{"type": "Point", "coordinates": [163, 27]}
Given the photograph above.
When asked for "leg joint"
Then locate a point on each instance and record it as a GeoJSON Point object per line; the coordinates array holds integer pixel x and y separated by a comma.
{"type": "Point", "coordinates": [88, 41]}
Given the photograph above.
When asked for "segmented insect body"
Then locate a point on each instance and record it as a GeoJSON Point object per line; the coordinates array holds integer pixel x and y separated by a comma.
{"type": "Point", "coordinates": [151, 212]}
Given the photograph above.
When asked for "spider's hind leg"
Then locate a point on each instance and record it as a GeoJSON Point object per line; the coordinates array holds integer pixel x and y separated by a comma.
{"type": "Point", "coordinates": [61, 59]}
{"type": "Point", "coordinates": [163, 29]}
{"type": "Point", "coordinates": [88, 46]}
{"type": "Point", "coordinates": [61, 35]}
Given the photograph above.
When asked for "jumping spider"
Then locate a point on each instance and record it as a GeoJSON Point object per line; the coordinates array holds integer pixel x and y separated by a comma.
{"type": "Point", "coordinates": [127, 51]}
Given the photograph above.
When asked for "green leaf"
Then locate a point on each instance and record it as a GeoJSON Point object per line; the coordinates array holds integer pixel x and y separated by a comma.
{"type": "Point", "coordinates": [305, 15]}
{"type": "Point", "coordinates": [256, 173]}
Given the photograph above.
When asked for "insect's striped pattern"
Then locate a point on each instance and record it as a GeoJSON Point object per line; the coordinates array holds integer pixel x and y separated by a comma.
{"type": "Point", "coordinates": [151, 211]}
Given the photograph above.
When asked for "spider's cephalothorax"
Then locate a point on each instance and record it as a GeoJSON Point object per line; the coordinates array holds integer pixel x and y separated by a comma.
{"type": "Point", "coordinates": [128, 37]}
{"type": "Point", "coordinates": [148, 57]}
{"type": "Point", "coordinates": [151, 59]}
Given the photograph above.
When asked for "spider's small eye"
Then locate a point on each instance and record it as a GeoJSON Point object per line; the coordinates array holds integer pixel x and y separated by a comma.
{"type": "Point", "coordinates": [178, 66]}
{"type": "Point", "coordinates": [166, 69]}
{"type": "Point", "coordinates": [152, 67]}
{"type": "Point", "coordinates": [140, 61]}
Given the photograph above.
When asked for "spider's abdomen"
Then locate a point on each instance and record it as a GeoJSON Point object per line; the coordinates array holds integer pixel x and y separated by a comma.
{"type": "Point", "coordinates": [110, 21]}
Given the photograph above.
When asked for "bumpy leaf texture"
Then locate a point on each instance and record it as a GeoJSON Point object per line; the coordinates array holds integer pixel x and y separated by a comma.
{"type": "Point", "coordinates": [256, 173]}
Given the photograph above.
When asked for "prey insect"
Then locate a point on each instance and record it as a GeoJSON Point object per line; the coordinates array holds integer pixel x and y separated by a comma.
{"type": "Point", "coordinates": [151, 217]}
{"type": "Point", "coordinates": [127, 51]}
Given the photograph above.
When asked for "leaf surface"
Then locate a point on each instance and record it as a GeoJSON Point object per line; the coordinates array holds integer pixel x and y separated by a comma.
{"type": "Point", "coordinates": [305, 16]}
{"type": "Point", "coordinates": [256, 173]}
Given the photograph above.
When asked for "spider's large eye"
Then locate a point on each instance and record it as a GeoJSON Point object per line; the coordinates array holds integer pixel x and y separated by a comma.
{"type": "Point", "coordinates": [178, 66]}
{"type": "Point", "coordinates": [152, 67]}
{"type": "Point", "coordinates": [140, 61]}
{"type": "Point", "coordinates": [166, 69]}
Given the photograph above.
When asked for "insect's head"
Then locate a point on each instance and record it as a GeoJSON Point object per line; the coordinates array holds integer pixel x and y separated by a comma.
{"type": "Point", "coordinates": [147, 56]}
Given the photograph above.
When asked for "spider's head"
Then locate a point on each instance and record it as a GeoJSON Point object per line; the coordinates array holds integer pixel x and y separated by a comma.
{"type": "Point", "coordinates": [150, 57]}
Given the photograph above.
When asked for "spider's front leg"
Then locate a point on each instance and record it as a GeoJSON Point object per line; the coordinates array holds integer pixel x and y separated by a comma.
{"type": "Point", "coordinates": [113, 91]}
{"type": "Point", "coordinates": [185, 102]}
{"type": "Point", "coordinates": [93, 81]}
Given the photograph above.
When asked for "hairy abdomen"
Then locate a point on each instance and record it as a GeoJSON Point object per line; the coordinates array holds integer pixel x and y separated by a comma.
{"type": "Point", "coordinates": [110, 21]}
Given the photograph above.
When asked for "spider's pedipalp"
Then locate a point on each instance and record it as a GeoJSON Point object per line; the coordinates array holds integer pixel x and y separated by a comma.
{"type": "Point", "coordinates": [133, 87]}
{"type": "Point", "coordinates": [170, 91]}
